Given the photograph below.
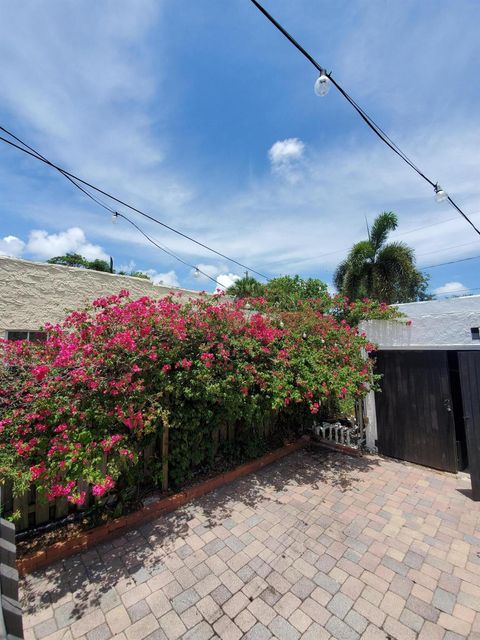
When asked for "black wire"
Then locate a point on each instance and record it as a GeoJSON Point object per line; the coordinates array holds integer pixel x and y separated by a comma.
{"type": "Point", "coordinates": [365, 117]}
{"type": "Point", "coordinates": [116, 213]}
{"type": "Point", "coordinates": [164, 249]}
{"type": "Point", "coordinates": [296, 44]}
{"type": "Point", "coordinates": [72, 176]}
{"type": "Point", "coordinates": [39, 156]}
{"type": "Point", "coordinates": [376, 129]}
{"type": "Point", "coordinates": [442, 264]}
{"type": "Point", "coordinates": [443, 249]}
{"type": "Point", "coordinates": [457, 208]}
{"type": "Point", "coordinates": [121, 215]}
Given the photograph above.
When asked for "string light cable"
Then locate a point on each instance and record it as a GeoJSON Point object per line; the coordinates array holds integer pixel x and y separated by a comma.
{"type": "Point", "coordinates": [74, 179]}
{"type": "Point", "coordinates": [116, 215]}
{"type": "Point", "coordinates": [321, 88]}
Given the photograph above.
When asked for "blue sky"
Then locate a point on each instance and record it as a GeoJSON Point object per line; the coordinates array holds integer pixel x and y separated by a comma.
{"type": "Point", "coordinates": [204, 116]}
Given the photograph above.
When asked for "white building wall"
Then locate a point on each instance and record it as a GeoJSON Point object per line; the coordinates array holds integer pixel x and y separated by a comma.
{"type": "Point", "coordinates": [33, 293]}
{"type": "Point", "coordinates": [437, 324]}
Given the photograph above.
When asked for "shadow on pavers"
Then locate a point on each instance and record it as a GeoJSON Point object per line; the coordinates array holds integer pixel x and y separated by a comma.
{"type": "Point", "coordinates": [89, 579]}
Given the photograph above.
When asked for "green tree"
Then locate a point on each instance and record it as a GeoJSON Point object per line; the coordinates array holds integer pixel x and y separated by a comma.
{"type": "Point", "coordinates": [246, 287]}
{"type": "Point", "coordinates": [76, 260]}
{"type": "Point", "coordinates": [98, 265]}
{"type": "Point", "coordinates": [286, 292]}
{"type": "Point", "coordinates": [69, 260]}
{"type": "Point", "coordinates": [380, 270]}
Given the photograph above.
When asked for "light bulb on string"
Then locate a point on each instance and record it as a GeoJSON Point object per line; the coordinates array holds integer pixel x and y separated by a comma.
{"type": "Point", "coordinates": [114, 217]}
{"type": "Point", "coordinates": [322, 85]}
{"type": "Point", "coordinates": [196, 273]}
{"type": "Point", "coordinates": [440, 194]}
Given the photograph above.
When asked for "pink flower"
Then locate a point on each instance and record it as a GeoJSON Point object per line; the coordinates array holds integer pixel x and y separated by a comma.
{"type": "Point", "coordinates": [108, 444]}
{"type": "Point", "coordinates": [37, 470]}
{"type": "Point", "coordinates": [40, 372]}
{"type": "Point", "coordinates": [101, 488]}
{"type": "Point", "coordinates": [58, 490]}
{"type": "Point", "coordinates": [184, 364]}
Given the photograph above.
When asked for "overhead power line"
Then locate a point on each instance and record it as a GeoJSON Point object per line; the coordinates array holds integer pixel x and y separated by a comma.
{"type": "Point", "coordinates": [365, 117]}
{"type": "Point", "coordinates": [75, 180]}
{"type": "Point", "coordinates": [397, 235]}
{"type": "Point", "coordinates": [120, 215]}
{"type": "Point", "coordinates": [451, 246]}
{"type": "Point", "coordinates": [72, 177]}
{"type": "Point", "coordinates": [443, 264]}
{"type": "Point", "coordinates": [165, 250]}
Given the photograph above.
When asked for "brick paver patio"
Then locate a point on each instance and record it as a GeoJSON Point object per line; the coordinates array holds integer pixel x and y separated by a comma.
{"type": "Point", "coordinates": [315, 546]}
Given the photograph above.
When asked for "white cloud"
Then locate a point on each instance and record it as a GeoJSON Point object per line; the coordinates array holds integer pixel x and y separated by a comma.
{"type": "Point", "coordinates": [283, 152]}
{"type": "Point", "coordinates": [226, 280]}
{"type": "Point", "coordinates": [286, 159]}
{"type": "Point", "coordinates": [168, 279]}
{"type": "Point", "coordinates": [282, 227]}
{"type": "Point", "coordinates": [99, 123]}
{"type": "Point", "coordinates": [43, 245]}
{"type": "Point", "coordinates": [450, 288]}
{"type": "Point", "coordinates": [11, 246]}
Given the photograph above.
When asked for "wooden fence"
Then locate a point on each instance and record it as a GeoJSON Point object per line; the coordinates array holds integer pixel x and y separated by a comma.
{"type": "Point", "coordinates": [34, 510]}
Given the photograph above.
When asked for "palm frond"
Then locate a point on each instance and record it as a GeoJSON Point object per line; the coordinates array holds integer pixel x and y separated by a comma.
{"type": "Point", "coordinates": [339, 275]}
{"type": "Point", "coordinates": [385, 223]}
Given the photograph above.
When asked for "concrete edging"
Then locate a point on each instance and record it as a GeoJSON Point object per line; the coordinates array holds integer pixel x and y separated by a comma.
{"type": "Point", "coordinates": [118, 526]}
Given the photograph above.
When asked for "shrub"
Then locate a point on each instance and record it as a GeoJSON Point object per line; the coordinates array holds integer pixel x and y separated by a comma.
{"type": "Point", "coordinates": [85, 404]}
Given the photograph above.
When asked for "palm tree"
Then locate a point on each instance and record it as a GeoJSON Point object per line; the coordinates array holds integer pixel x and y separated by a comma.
{"type": "Point", "coordinates": [246, 287]}
{"type": "Point", "coordinates": [381, 271]}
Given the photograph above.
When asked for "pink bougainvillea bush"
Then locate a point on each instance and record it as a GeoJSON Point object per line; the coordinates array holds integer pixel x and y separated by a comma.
{"type": "Point", "coordinates": [87, 403]}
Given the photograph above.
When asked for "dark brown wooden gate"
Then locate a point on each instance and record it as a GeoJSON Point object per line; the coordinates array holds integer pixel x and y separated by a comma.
{"type": "Point", "coordinates": [469, 365]}
{"type": "Point", "coordinates": [415, 419]}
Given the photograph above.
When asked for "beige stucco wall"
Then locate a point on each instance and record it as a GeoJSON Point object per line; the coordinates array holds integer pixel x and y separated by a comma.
{"type": "Point", "coordinates": [32, 293]}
